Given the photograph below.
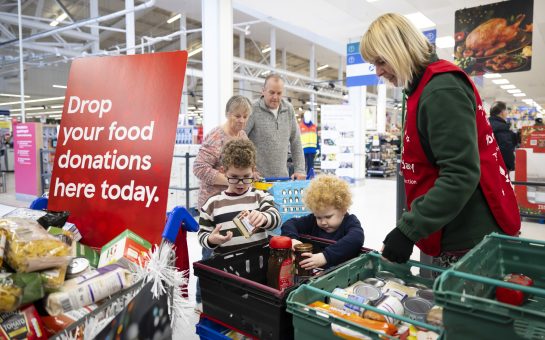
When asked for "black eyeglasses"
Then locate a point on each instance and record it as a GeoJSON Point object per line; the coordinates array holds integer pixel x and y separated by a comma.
{"type": "Point", "coordinates": [234, 180]}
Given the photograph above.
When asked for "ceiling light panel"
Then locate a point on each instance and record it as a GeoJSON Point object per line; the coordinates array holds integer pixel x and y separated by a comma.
{"type": "Point", "coordinates": [500, 81]}
{"type": "Point", "coordinates": [508, 87]}
{"type": "Point", "coordinates": [444, 42]}
{"type": "Point", "coordinates": [420, 20]}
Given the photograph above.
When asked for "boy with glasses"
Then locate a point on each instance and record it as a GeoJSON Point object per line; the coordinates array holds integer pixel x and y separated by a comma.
{"type": "Point", "coordinates": [218, 231]}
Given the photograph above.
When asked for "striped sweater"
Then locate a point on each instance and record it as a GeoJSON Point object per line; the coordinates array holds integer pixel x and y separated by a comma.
{"type": "Point", "coordinates": [222, 208]}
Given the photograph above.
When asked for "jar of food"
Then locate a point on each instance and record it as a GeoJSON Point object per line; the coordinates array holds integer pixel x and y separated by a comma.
{"type": "Point", "coordinates": [302, 273]}
{"type": "Point", "coordinates": [280, 265]}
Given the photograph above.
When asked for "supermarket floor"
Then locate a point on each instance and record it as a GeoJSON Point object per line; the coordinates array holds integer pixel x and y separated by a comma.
{"type": "Point", "coordinates": [374, 204]}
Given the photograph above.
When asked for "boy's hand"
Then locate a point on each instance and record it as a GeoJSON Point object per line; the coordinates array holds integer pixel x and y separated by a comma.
{"type": "Point", "coordinates": [257, 218]}
{"type": "Point", "coordinates": [293, 243]}
{"type": "Point", "coordinates": [313, 261]}
{"type": "Point", "coordinates": [216, 238]}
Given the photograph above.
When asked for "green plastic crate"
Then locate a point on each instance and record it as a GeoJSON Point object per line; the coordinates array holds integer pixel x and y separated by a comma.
{"type": "Point", "coordinates": [309, 324]}
{"type": "Point", "coordinates": [467, 291]}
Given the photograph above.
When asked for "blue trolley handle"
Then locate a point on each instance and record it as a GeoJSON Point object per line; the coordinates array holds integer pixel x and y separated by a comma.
{"type": "Point", "coordinates": [179, 216]}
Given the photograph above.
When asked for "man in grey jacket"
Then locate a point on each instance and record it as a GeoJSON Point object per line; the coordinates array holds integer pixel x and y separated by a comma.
{"type": "Point", "coordinates": [273, 128]}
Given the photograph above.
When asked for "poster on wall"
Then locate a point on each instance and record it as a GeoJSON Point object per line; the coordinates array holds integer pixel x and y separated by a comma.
{"type": "Point", "coordinates": [115, 144]}
{"type": "Point", "coordinates": [494, 38]}
{"type": "Point", "coordinates": [338, 141]}
{"type": "Point", "coordinates": [371, 118]}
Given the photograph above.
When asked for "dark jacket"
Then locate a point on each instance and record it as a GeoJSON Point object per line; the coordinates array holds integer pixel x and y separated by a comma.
{"type": "Point", "coordinates": [507, 140]}
{"type": "Point", "coordinates": [349, 236]}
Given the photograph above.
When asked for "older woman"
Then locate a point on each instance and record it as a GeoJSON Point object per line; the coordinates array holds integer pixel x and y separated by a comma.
{"type": "Point", "coordinates": [207, 164]}
{"type": "Point", "coordinates": [456, 183]}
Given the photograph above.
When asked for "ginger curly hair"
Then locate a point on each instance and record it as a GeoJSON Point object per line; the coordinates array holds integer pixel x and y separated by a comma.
{"type": "Point", "coordinates": [327, 191]}
{"type": "Point", "coordinates": [238, 153]}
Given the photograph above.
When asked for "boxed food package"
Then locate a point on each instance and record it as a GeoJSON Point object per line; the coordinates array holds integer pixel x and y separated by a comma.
{"type": "Point", "coordinates": [17, 289]}
{"type": "Point", "coordinates": [24, 324]}
{"type": "Point", "coordinates": [56, 324]}
{"type": "Point", "coordinates": [71, 227]}
{"type": "Point", "coordinates": [124, 249]}
{"type": "Point", "coordinates": [80, 250]}
{"type": "Point", "coordinates": [31, 248]}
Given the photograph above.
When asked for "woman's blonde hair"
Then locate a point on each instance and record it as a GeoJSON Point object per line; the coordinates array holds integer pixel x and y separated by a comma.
{"type": "Point", "coordinates": [393, 39]}
{"type": "Point", "coordinates": [238, 102]}
{"type": "Point", "coordinates": [327, 191]}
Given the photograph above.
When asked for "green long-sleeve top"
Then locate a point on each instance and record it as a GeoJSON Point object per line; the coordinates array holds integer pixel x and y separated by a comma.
{"type": "Point", "coordinates": [448, 133]}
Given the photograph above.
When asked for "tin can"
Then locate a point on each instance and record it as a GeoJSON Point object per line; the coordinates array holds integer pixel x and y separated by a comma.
{"type": "Point", "coordinates": [417, 308]}
{"type": "Point", "coordinates": [410, 291]}
{"type": "Point", "coordinates": [513, 296]}
{"type": "Point", "coordinates": [397, 280]}
{"type": "Point", "coordinates": [384, 275]}
{"type": "Point", "coordinates": [77, 266]}
{"type": "Point", "coordinates": [389, 304]}
{"type": "Point", "coordinates": [398, 294]}
{"type": "Point", "coordinates": [417, 285]}
{"type": "Point", "coordinates": [348, 307]}
{"type": "Point", "coordinates": [425, 294]}
{"type": "Point", "coordinates": [373, 281]}
{"type": "Point", "coordinates": [371, 293]}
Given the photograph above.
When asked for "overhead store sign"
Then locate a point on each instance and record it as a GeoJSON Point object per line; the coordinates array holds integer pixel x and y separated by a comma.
{"type": "Point", "coordinates": [358, 72]}
{"type": "Point", "coordinates": [494, 38]}
{"type": "Point", "coordinates": [116, 140]}
{"type": "Point", "coordinates": [431, 35]}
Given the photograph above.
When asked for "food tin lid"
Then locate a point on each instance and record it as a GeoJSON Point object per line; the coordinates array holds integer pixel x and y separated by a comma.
{"type": "Point", "coordinates": [373, 281]}
{"type": "Point", "coordinates": [397, 280]}
{"type": "Point", "coordinates": [417, 306]}
{"type": "Point", "coordinates": [280, 242]}
{"type": "Point", "coordinates": [77, 265]}
{"type": "Point", "coordinates": [303, 247]}
{"type": "Point", "coordinates": [367, 291]}
{"type": "Point", "coordinates": [384, 275]}
{"type": "Point", "coordinates": [425, 294]}
{"type": "Point", "coordinates": [417, 285]}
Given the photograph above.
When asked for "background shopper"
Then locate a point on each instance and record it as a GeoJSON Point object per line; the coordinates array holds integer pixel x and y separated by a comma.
{"type": "Point", "coordinates": [506, 139]}
{"type": "Point", "coordinates": [274, 130]}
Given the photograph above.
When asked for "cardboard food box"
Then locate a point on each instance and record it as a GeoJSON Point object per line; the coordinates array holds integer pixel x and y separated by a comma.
{"type": "Point", "coordinates": [243, 224]}
{"type": "Point", "coordinates": [125, 248]}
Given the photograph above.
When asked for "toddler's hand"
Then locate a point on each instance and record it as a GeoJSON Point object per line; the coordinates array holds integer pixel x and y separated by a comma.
{"type": "Point", "coordinates": [294, 242]}
{"type": "Point", "coordinates": [216, 238]}
{"type": "Point", "coordinates": [313, 261]}
{"type": "Point", "coordinates": [257, 218]}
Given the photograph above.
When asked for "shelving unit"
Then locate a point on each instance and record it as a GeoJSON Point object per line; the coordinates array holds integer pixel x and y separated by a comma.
{"type": "Point", "coordinates": [381, 155]}
{"type": "Point", "coordinates": [47, 154]}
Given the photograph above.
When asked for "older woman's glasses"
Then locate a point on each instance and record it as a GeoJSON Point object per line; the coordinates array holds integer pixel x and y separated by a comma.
{"type": "Point", "coordinates": [234, 180]}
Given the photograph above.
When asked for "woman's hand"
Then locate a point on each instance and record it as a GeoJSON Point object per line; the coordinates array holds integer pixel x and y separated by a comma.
{"type": "Point", "coordinates": [215, 238]}
{"type": "Point", "coordinates": [313, 261]}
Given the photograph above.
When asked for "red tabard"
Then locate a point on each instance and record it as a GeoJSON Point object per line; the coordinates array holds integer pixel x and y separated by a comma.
{"type": "Point", "coordinates": [420, 175]}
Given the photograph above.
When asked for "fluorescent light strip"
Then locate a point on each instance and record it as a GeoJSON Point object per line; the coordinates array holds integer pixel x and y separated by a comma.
{"type": "Point", "coordinates": [56, 106]}
{"type": "Point", "coordinates": [59, 86]}
{"type": "Point", "coordinates": [195, 51]}
{"type": "Point", "coordinates": [514, 91]}
{"type": "Point", "coordinates": [59, 19]}
{"type": "Point", "coordinates": [323, 67]}
{"type": "Point", "coordinates": [28, 109]}
{"type": "Point", "coordinates": [500, 81]}
{"type": "Point", "coordinates": [266, 49]}
{"type": "Point", "coordinates": [508, 87]}
{"type": "Point", "coordinates": [174, 18]}
{"type": "Point", "coordinates": [420, 20]}
{"type": "Point", "coordinates": [44, 113]}
{"type": "Point", "coordinates": [492, 75]}
{"type": "Point", "coordinates": [519, 94]}
{"type": "Point", "coordinates": [34, 101]}
{"type": "Point", "coordinates": [12, 95]}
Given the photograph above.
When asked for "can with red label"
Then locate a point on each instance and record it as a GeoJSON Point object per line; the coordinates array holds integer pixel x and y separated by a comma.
{"type": "Point", "coordinates": [513, 296]}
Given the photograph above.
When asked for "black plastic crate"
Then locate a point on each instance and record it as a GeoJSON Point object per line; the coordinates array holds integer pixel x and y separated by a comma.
{"type": "Point", "coordinates": [234, 291]}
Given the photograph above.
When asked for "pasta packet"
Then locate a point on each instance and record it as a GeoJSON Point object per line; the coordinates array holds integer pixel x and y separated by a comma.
{"type": "Point", "coordinates": [17, 289]}
{"type": "Point", "coordinates": [30, 248]}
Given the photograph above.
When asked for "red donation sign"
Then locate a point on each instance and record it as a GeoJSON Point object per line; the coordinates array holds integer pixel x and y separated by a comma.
{"type": "Point", "coordinates": [115, 146]}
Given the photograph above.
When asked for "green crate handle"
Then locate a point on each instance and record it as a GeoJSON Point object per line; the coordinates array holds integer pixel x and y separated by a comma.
{"type": "Point", "coordinates": [411, 263]}
{"type": "Point", "coordinates": [516, 239]}
{"type": "Point", "coordinates": [374, 309]}
{"type": "Point", "coordinates": [438, 285]}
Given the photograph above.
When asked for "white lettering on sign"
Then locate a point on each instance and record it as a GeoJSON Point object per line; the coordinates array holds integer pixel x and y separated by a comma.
{"type": "Point", "coordinates": [410, 181]}
{"type": "Point", "coordinates": [541, 207]}
{"type": "Point", "coordinates": [77, 105]}
{"type": "Point", "coordinates": [407, 166]}
{"type": "Point", "coordinates": [495, 155]}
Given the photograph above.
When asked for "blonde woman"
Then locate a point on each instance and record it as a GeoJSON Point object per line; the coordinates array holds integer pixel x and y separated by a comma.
{"type": "Point", "coordinates": [456, 184]}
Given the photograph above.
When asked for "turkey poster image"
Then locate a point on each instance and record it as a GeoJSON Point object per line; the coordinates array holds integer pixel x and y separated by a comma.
{"type": "Point", "coordinates": [495, 38]}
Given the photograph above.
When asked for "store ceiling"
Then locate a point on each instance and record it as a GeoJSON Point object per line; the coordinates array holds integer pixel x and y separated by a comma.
{"type": "Point", "coordinates": [330, 24]}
